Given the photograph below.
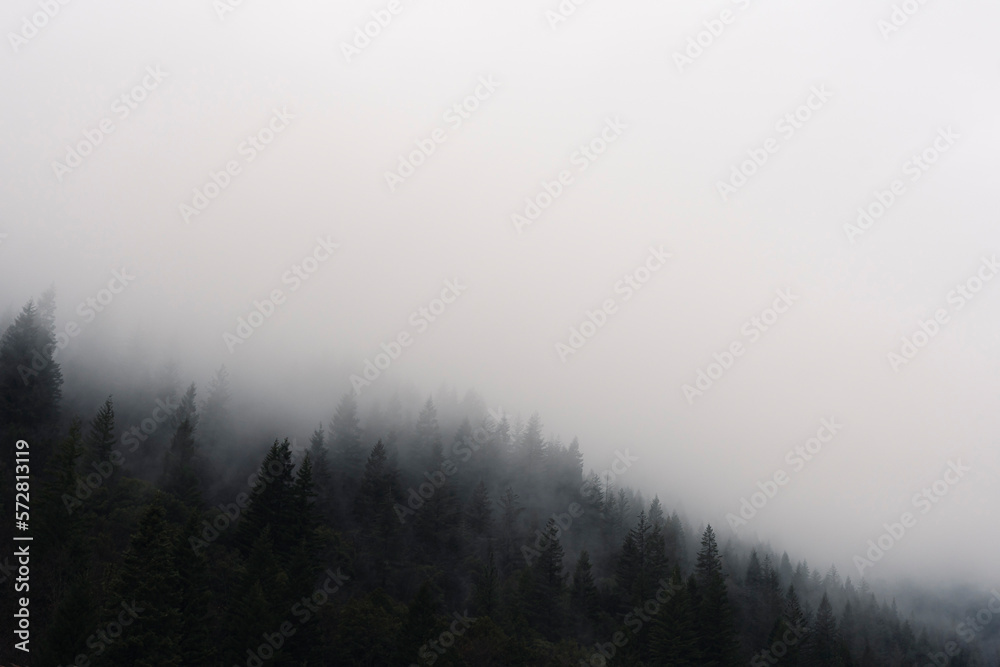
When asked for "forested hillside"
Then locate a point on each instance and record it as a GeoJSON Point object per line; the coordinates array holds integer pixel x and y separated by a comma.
{"type": "Point", "coordinates": [165, 534]}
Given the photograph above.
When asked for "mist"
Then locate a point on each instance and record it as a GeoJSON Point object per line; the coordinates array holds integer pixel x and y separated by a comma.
{"type": "Point", "coordinates": [746, 242]}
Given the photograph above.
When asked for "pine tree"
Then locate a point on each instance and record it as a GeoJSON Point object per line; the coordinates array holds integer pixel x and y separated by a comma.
{"type": "Point", "coordinates": [583, 591]}
{"type": "Point", "coordinates": [101, 439]}
{"type": "Point", "coordinates": [147, 588]}
{"type": "Point", "coordinates": [420, 625]}
{"type": "Point", "coordinates": [373, 510]}
{"type": "Point", "coordinates": [62, 526]}
{"type": "Point", "coordinates": [673, 637]}
{"type": "Point", "coordinates": [427, 447]}
{"type": "Point", "coordinates": [717, 635]}
{"type": "Point", "coordinates": [30, 379]}
{"type": "Point", "coordinates": [636, 572]}
{"type": "Point", "coordinates": [323, 478]}
{"type": "Point", "coordinates": [824, 640]}
{"type": "Point", "coordinates": [486, 596]}
{"type": "Point", "coordinates": [656, 513]}
{"type": "Point", "coordinates": [345, 438]}
{"type": "Point", "coordinates": [479, 515]}
{"type": "Point", "coordinates": [532, 444]}
{"type": "Point", "coordinates": [790, 631]}
{"type": "Point", "coordinates": [260, 600]}
{"type": "Point", "coordinates": [196, 620]}
{"type": "Point", "coordinates": [179, 477]}
{"type": "Point", "coordinates": [216, 422]}
{"type": "Point", "coordinates": [272, 502]}
{"type": "Point", "coordinates": [510, 511]}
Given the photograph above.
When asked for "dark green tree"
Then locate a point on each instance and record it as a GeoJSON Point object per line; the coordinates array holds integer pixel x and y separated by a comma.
{"type": "Point", "coordinates": [146, 589]}
{"type": "Point", "coordinates": [673, 637]}
{"type": "Point", "coordinates": [30, 379]}
{"type": "Point", "coordinates": [717, 634]}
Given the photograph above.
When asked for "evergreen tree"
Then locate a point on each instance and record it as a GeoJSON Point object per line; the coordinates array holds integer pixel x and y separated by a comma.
{"type": "Point", "coordinates": [427, 447]}
{"type": "Point", "coordinates": [345, 434]}
{"type": "Point", "coordinates": [479, 516]}
{"type": "Point", "coordinates": [179, 476]}
{"type": "Point", "coordinates": [486, 596]}
{"type": "Point", "coordinates": [374, 511]}
{"type": "Point", "coordinates": [510, 511]}
{"type": "Point", "coordinates": [583, 592]}
{"type": "Point", "coordinates": [323, 478]}
{"type": "Point", "coordinates": [824, 640]}
{"type": "Point", "coordinates": [62, 527]}
{"type": "Point", "coordinates": [146, 588]}
{"type": "Point", "coordinates": [196, 620]}
{"type": "Point", "coordinates": [101, 439]}
{"type": "Point", "coordinates": [420, 625]}
{"type": "Point", "coordinates": [717, 635]}
{"type": "Point", "coordinates": [30, 379]}
{"type": "Point", "coordinates": [272, 502]}
{"type": "Point", "coordinates": [673, 637]}
{"type": "Point", "coordinates": [216, 421]}
{"type": "Point", "coordinates": [656, 513]}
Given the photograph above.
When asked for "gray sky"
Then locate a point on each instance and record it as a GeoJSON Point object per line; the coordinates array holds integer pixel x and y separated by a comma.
{"type": "Point", "coordinates": [679, 129]}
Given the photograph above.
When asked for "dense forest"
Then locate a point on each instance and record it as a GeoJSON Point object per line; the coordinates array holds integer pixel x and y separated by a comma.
{"type": "Point", "coordinates": [166, 532]}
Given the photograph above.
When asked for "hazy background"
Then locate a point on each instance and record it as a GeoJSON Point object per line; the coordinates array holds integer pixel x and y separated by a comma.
{"type": "Point", "coordinates": [324, 175]}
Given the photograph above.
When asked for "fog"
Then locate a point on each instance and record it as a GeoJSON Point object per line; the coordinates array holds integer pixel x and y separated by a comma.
{"type": "Point", "coordinates": [666, 128]}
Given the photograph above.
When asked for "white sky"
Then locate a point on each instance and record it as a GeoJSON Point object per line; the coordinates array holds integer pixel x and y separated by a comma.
{"type": "Point", "coordinates": [656, 185]}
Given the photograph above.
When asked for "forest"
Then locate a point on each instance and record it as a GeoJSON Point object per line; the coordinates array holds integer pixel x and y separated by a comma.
{"type": "Point", "coordinates": [171, 529]}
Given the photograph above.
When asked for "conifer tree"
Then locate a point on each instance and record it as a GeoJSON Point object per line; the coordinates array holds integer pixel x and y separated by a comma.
{"type": "Point", "coordinates": [30, 378]}
{"type": "Point", "coordinates": [479, 515]}
{"type": "Point", "coordinates": [824, 640]}
{"type": "Point", "coordinates": [345, 436]}
{"type": "Point", "coordinates": [146, 589]}
{"type": "Point", "coordinates": [673, 636]}
{"type": "Point", "coordinates": [486, 596]}
{"type": "Point", "coordinates": [101, 439]}
{"type": "Point", "coordinates": [717, 636]}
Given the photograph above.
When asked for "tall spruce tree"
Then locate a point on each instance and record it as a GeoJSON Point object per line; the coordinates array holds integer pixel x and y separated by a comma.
{"type": "Point", "coordinates": [717, 634]}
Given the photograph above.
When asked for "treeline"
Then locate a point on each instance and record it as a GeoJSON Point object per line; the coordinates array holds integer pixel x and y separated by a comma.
{"type": "Point", "coordinates": [165, 535]}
